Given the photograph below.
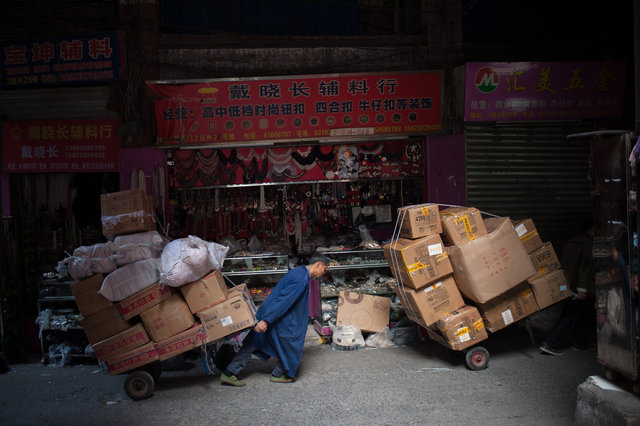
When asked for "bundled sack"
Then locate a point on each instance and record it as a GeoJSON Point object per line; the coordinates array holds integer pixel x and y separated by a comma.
{"type": "Point", "coordinates": [90, 260]}
{"type": "Point", "coordinates": [188, 259]}
{"type": "Point", "coordinates": [130, 253]}
{"type": "Point", "coordinates": [131, 278]}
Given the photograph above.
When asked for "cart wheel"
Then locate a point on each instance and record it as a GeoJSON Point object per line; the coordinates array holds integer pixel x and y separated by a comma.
{"type": "Point", "coordinates": [139, 385]}
{"type": "Point", "coordinates": [155, 369]}
{"type": "Point", "coordinates": [477, 358]}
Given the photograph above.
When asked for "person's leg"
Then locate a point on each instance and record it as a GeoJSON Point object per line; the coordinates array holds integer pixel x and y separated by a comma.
{"type": "Point", "coordinates": [278, 370]}
{"type": "Point", "coordinates": [237, 364]}
{"type": "Point", "coordinates": [585, 324]}
{"type": "Point", "coordinates": [555, 338]}
{"type": "Point", "coordinates": [239, 361]}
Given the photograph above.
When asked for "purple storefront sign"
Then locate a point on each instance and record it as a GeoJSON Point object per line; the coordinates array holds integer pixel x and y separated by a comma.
{"type": "Point", "coordinates": [522, 91]}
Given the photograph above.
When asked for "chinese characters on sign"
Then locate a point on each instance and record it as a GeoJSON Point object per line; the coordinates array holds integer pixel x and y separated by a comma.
{"type": "Point", "coordinates": [63, 61]}
{"type": "Point", "coordinates": [67, 146]}
{"type": "Point", "coordinates": [504, 91]}
{"type": "Point", "coordinates": [306, 107]}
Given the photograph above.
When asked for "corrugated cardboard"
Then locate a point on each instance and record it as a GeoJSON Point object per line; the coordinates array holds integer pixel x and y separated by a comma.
{"type": "Point", "coordinates": [126, 212]}
{"type": "Point", "coordinates": [103, 324]}
{"type": "Point", "coordinates": [167, 318]}
{"type": "Point", "coordinates": [462, 224]}
{"type": "Point", "coordinates": [143, 300]}
{"type": "Point", "coordinates": [544, 259]}
{"type": "Point", "coordinates": [228, 317]}
{"type": "Point", "coordinates": [492, 264]}
{"type": "Point", "coordinates": [122, 342]}
{"type": "Point", "coordinates": [508, 308]}
{"type": "Point", "coordinates": [528, 234]}
{"type": "Point", "coordinates": [86, 294]}
{"type": "Point", "coordinates": [419, 220]}
{"type": "Point", "coordinates": [416, 263]}
{"type": "Point", "coordinates": [182, 342]}
{"type": "Point", "coordinates": [430, 303]}
{"type": "Point", "coordinates": [550, 288]}
{"type": "Point", "coordinates": [205, 292]}
{"type": "Point", "coordinates": [366, 312]}
{"type": "Point", "coordinates": [460, 330]}
{"type": "Point", "coordinates": [131, 359]}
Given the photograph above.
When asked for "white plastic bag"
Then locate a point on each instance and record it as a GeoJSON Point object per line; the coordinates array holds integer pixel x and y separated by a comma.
{"type": "Point", "coordinates": [131, 278]}
{"type": "Point", "coordinates": [188, 259]}
{"type": "Point", "coordinates": [130, 253]}
{"type": "Point", "coordinates": [381, 339]}
{"type": "Point", "coordinates": [152, 238]}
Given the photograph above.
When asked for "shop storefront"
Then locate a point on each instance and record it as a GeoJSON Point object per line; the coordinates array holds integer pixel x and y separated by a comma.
{"type": "Point", "coordinates": [521, 159]}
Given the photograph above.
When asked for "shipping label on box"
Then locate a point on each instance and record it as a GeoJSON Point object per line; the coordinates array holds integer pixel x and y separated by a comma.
{"type": "Point", "coordinates": [416, 263]}
{"type": "Point", "coordinates": [462, 224]}
{"type": "Point", "coordinates": [419, 220]}
{"type": "Point", "coordinates": [550, 288]}
{"type": "Point", "coordinates": [167, 318]}
{"type": "Point", "coordinates": [228, 317]}
{"type": "Point", "coordinates": [86, 295]}
{"type": "Point", "coordinates": [462, 328]}
{"type": "Point", "coordinates": [104, 324]}
{"type": "Point", "coordinates": [134, 358]}
{"type": "Point", "coordinates": [492, 264]}
{"type": "Point", "coordinates": [528, 234]}
{"type": "Point", "coordinates": [431, 303]}
{"type": "Point", "coordinates": [366, 312]}
{"type": "Point", "coordinates": [508, 308]}
{"type": "Point", "coordinates": [544, 259]}
{"type": "Point", "coordinates": [143, 300]}
{"type": "Point", "coordinates": [182, 342]}
{"type": "Point", "coordinates": [124, 341]}
{"type": "Point", "coordinates": [205, 292]}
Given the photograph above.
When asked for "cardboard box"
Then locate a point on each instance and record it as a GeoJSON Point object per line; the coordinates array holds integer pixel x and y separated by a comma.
{"type": "Point", "coordinates": [167, 318]}
{"type": "Point", "coordinates": [205, 292]}
{"type": "Point", "coordinates": [143, 300]}
{"type": "Point", "coordinates": [122, 342]}
{"type": "Point", "coordinates": [416, 263]}
{"type": "Point", "coordinates": [462, 224]}
{"type": "Point", "coordinates": [182, 342]}
{"type": "Point", "coordinates": [366, 312]}
{"type": "Point", "coordinates": [550, 288]}
{"type": "Point", "coordinates": [544, 259]}
{"type": "Point", "coordinates": [492, 264]}
{"type": "Point", "coordinates": [528, 234]}
{"type": "Point", "coordinates": [126, 212]}
{"type": "Point", "coordinates": [86, 294]}
{"type": "Point", "coordinates": [103, 324]}
{"type": "Point", "coordinates": [430, 303]}
{"type": "Point", "coordinates": [508, 308]}
{"type": "Point", "coordinates": [419, 220]}
{"type": "Point", "coordinates": [131, 359]}
{"type": "Point", "coordinates": [461, 329]}
{"type": "Point", "coordinates": [234, 314]}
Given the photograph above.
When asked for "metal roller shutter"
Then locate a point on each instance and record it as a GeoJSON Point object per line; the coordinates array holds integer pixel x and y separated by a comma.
{"type": "Point", "coordinates": [531, 171]}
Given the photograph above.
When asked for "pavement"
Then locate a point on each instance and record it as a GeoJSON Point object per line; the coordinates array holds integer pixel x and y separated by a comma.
{"type": "Point", "coordinates": [416, 384]}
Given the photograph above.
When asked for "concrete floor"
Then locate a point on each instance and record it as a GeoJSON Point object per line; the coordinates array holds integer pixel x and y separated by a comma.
{"type": "Point", "coordinates": [417, 384]}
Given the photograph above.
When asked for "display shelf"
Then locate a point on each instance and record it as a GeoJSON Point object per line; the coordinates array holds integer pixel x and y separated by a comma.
{"type": "Point", "coordinates": [257, 272]}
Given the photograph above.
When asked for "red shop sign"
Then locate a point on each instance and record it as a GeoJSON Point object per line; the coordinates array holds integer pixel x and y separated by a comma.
{"type": "Point", "coordinates": [66, 146]}
{"type": "Point", "coordinates": [301, 108]}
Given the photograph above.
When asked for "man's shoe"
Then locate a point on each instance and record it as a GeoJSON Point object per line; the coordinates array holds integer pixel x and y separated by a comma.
{"type": "Point", "coordinates": [282, 379]}
{"type": "Point", "coordinates": [231, 380]}
{"type": "Point", "coordinates": [545, 348]}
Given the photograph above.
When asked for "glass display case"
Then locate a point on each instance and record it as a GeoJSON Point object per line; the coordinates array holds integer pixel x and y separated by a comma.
{"type": "Point", "coordinates": [260, 272]}
{"type": "Point", "coordinates": [61, 335]}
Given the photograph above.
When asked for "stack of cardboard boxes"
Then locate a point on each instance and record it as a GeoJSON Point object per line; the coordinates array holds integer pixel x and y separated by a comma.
{"type": "Point", "coordinates": [156, 322]}
{"type": "Point", "coordinates": [480, 275]}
